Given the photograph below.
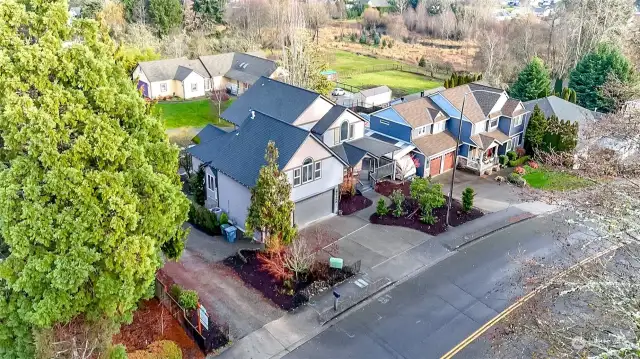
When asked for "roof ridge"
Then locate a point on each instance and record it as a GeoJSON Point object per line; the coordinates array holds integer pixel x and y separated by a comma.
{"type": "Point", "coordinates": [276, 119]}
{"type": "Point", "coordinates": [290, 85]}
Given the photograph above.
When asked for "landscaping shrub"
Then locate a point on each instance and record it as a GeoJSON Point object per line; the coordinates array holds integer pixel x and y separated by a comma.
{"type": "Point", "coordinates": [516, 179]}
{"type": "Point", "coordinates": [533, 164]}
{"type": "Point", "coordinates": [512, 155]}
{"type": "Point", "coordinates": [503, 159]}
{"type": "Point", "coordinates": [196, 185]}
{"type": "Point", "coordinates": [397, 197]}
{"type": "Point", "coordinates": [118, 352]}
{"type": "Point", "coordinates": [519, 170]}
{"type": "Point", "coordinates": [422, 62]}
{"type": "Point", "coordinates": [381, 208]}
{"type": "Point", "coordinates": [467, 199]}
{"type": "Point", "coordinates": [188, 299]}
{"type": "Point", "coordinates": [353, 37]}
{"type": "Point", "coordinates": [204, 219]}
{"type": "Point", "coordinates": [519, 161]}
{"type": "Point", "coordinates": [363, 38]}
{"type": "Point", "coordinates": [175, 291]}
{"type": "Point", "coordinates": [429, 196]}
{"type": "Point", "coordinates": [520, 152]}
{"type": "Point", "coordinates": [224, 218]}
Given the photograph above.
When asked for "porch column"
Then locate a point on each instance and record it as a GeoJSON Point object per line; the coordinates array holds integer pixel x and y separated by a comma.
{"type": "Point", "coordinates": [394, 166]}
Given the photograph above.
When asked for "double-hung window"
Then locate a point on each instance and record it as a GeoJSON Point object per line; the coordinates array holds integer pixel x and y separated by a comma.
{"type": "Point", "coordinates": [317, 170]}
{"type": "Point", "coordinates": [211, 184]}
{"type": "Point", "coordinates": [517, 121]}
{"type": "Point", "coordinates": [438, 127]}
{"type": "Point", "coordinates": [194, 86]}
{"type": "Point", "coordinates": [307, 170]}
{"type": "Point", "coordinates": [297, 179]}
{"type": "Point", "coordinates": [163, 87]}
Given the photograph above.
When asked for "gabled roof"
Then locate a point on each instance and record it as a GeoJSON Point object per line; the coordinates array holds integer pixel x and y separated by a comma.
{"type": "Point", "coordinates": [172, 69]}
{"type": "Point", "coordinates": [240, 154]}
{"type": "Point", "coordinates": [485, 139]}
{"type": "Point", "coordinates": [209, 132]}
{"type": "Point", "coordinates": [373, 146]}
{"type": "Point", "coordinates": [239, 66]}
{"type": "Point", "coordinates": [565, 110]}
{"type": "Point", "coordinates": [329, 118]}
{"type": "Point", "coordinates": [479, 103]}
{"type": "Point", "coordinates": [420, 112]}
{"type": "Point", "coordinates": [273, 98]}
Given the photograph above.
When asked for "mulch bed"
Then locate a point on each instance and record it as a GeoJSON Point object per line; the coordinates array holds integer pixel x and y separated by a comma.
{"type": "Point", "coordinates": [352, 204]}
{"type": "Point", "coordinates": [316, 282]}
{"type": "Point", "coordinates": [385, 188]}
{"type": "Point", "coordinates": [147, 327]}
{"type": "Point", "coordinates": [457, 217]}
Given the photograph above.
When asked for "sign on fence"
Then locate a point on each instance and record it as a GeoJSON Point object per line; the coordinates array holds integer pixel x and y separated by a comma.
{"type": "Point", "coordinates": [204, 319]}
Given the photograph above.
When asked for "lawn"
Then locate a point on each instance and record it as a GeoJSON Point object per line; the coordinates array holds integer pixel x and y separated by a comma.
{"type": "Point", "coordinates": [345, 62]}
{"type": "Point", "coordinates": [196, 113]}
{"type": "Point", "coordinates": [401, 83]}
{"type": "Point", "coordinates": [553, 180]}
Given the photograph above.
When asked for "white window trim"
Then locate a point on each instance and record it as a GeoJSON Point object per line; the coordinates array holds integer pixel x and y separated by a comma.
{"type": "Point", "coordinates": [194, 86]}
{"type": "Point", "coordinates": [497, 123]}
{"type": "Point", "coordinates": [164, 87]}
{"type": "Point", "coordinates": [439, 127]}
{"type": "Point", "coordinates": [517, 121]}
{"type": "Point", "coordinates": [383, 122]}
{"type": "Point", "coordinates": [352, 130]}
{"type": "Point", "coordinates": [297, 176]}
{"type": "Point", "coordinates": [517, 142]}
{"type": "Point", "coordinates": [317, 170]}
{"type": "Point", "coordinates": [309, 171]}
{"type": "Point", "coordinates": [211, 184]}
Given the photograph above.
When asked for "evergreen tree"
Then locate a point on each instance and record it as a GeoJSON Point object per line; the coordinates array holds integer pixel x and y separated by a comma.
{"type": "Point", "coordinates": [213, 9]}
{"type": "Point", "coordinates": [593, 71]}
{"type": "Point", "coordinates": [557, 87]}
{"type": "Point", "coordinates": [533, 138]}
{"type": "Point", "coordinates": [198, 186]}
{"type": "Point", "coordinates": [573, 96]}
{"type": "Point", "coordinates": [90, 195]}
{"type": "Point", "coordinates": [533, 82]}
{"type": "Point", "coordinates": [165, 14]}
{"type": "Point", "coordinates": [271, 206]}
{"type": "Point", "coordinates": [566, 94]}
{"type": "Point", "coordinates": [422, 62]}
{"type": "Point", "coordinates": [467, 199]}
{"type": "Point", "coordinates": [363, 38]}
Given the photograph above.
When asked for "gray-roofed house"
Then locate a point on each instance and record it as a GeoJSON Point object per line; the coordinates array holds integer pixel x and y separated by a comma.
{"type": "Point", "coordinates": [376, 96]}
{"type": "Point", "coordinates": [376, 4]}
{"type": "Point", "coordinates": [492, 124]}
{"type": "Point", "coordinates": [317, 141]}
{"type": "Point", "coordinates": [186, 78]}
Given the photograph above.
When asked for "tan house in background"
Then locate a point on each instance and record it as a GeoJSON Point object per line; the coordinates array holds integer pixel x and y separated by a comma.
{"type": "Point", "coordinates": [187, 79]}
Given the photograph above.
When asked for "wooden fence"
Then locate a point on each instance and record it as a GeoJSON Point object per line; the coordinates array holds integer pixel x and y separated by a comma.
{"type": "Point", "coordinates": [437, 73]}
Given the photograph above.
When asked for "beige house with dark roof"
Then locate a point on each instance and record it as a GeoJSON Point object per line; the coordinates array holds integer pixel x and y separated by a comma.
{"type": "Point", "coordinates": [187, 79]}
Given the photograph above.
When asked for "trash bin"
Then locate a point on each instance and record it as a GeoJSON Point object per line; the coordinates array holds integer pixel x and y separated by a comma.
{"type": "Point", "coordinates": [222, 230]}
{"type": "Point", "coordinates": [217, 211]}
{"type": "Point", "coordinates": [230, 233]}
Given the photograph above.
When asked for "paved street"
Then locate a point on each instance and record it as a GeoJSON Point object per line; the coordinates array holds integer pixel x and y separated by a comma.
{"type": "Point", "coordinates": [429, 314]}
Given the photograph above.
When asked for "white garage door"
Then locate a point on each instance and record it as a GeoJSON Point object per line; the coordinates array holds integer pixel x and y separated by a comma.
{"type": "Point", "coordinates": [313, 208]}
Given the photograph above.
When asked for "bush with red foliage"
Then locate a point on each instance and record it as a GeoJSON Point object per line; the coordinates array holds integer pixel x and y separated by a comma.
{"type": "Point", "coordinates": [273, 262]}
{"type": "Point", "coordinates": [533, 164]}
{"type": "Point", "coordinates": [519, 170]}
{"type": "Point", "coordinates": [521, 151]}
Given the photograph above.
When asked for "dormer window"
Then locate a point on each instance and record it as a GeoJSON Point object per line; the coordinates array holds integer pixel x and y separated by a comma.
{"type": "Point", "coordinates": [492, 124]}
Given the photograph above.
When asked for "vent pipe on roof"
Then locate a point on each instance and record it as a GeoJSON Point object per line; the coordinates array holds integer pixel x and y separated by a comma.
{"type": "Point", "coordinates": [253, 114]}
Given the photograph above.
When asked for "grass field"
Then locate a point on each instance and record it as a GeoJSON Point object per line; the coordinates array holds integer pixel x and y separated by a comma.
{"type": "Point", "coordinates": [196, 113]}
{"type": "Point", "coordinates": [551, 180]}
{"type": "Point", "coordinates": [400, 83]}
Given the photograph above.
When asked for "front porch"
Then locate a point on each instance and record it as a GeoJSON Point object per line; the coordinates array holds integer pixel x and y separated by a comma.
{"type": "Point", "coordinates": [484, 162]}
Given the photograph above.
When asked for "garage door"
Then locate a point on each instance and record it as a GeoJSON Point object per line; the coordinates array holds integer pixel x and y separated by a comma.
{"type": "Point", "coordinates": [434, 166]}
{"type": "Point", "coordinates": [313, 208]}
{"type": "Point", "coordinates": [448, 161]}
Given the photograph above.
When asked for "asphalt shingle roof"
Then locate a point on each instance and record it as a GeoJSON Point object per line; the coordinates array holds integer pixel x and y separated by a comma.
{"type": "Point", "coordinates": [436, 143]}
{"type": "Point", "coordinates": [240, 154]}
{"type": "Point", "coordinates": [420, 112]}
{"type": "Point", "coordinates": [273, 98]}
{"type": "Point", "coordinates": [565, 110]}
{"type": "Point", "coordinates": [348, 153]}
{"type": "Point", "coordinates": [170, 69]}
{"type": "Point", "coordinates": [209, 132]}
{"type": "Point", "coordinates": [328, 119]}
{"type": "Point", "coordinates": [484, 140]}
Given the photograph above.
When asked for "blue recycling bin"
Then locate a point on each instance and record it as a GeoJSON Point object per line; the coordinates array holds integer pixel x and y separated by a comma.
{"type": "Point", "coordinates": [222, 230]}
{"type": "Point", "coordinates": [230, 233]}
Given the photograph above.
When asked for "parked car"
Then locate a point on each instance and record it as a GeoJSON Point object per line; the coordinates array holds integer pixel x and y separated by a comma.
{"type": "Point", "coordinates": [337, 92]}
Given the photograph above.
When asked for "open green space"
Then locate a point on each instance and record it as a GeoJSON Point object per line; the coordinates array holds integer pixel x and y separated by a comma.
{"type": "Point", "coordinates": [345, 62]}
{"type": "Point", "coordinates": [197, 113]}
{"type": "Point", "coordinates": [553, 180]}
{"type": "Point", "coordinates": [401, 83]}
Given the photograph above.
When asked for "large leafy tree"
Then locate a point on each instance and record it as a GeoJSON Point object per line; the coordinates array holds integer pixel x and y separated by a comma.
{"type": "Point", "coordinates": [271, 206]}
{"type": "Point", "coordinates": [165, 14]}
{"type": "Point", "coordinates": [606, 63]}
{"type": "Point", "coordinates": [213, 9]}
{"type": "Point", "coordinates": [90, 196]}
{"type": "Point", "coordinates": [533, 82]}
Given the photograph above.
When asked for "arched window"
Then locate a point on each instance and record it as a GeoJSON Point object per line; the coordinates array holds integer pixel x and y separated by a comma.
{"type": "Point", "coordinates": [344, 131]}
{"type": "Point", "coordinates": [307, 170]}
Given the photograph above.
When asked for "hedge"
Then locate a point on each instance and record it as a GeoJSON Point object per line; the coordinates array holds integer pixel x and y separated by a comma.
{"type": "Point", "coordinates": [519, 161]}
{"type": "Point", "coordinates": [204, 219]}
{"type": "Point", "coordinates": [517, 180]}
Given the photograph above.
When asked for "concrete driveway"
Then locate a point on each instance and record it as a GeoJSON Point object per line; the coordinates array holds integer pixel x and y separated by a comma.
{"type": "Point", "coordinates": [491, 196]}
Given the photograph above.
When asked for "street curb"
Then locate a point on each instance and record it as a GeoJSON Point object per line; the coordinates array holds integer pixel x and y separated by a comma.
{"type": "Point", "coordinates": [347, 309]}
{"type": "Point", "coordinates": [520, 218]}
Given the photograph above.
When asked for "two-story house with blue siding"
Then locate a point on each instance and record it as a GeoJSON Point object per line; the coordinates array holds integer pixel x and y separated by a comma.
{"type": "Point", "coordinates": [492, 124]}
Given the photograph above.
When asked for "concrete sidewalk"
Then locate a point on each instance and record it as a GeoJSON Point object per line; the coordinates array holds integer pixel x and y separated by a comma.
{"type": "Point", "coordinates": [389, 255]}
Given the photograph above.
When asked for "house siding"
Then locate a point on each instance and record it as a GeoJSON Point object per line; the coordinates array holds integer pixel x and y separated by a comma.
{"type": "Point", "coordinates": [314, 113]}
{"type": "Point", "coordinates": [329, 137]}
{"type": "Point", "coordinates": [234, 199]}
{"type": "Point", "coordinates": [504, 125]}
{"type": "Point", "coordinates": [193, 79]}
{"type": "Point", "coordinates": [310, 148]}
{"type": "Point", "coordinates": [393, 129]}
{"type": "Point", "coordinates": [463, 151]}
{"type": "Point", "coordinates": [452, 126]}
{"type": "Point", "coordinates": [420, 170]}
{"type": "Point", "coordinates": [332, 175]}
{"type": "Point", "coordinates": [517, 129]}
